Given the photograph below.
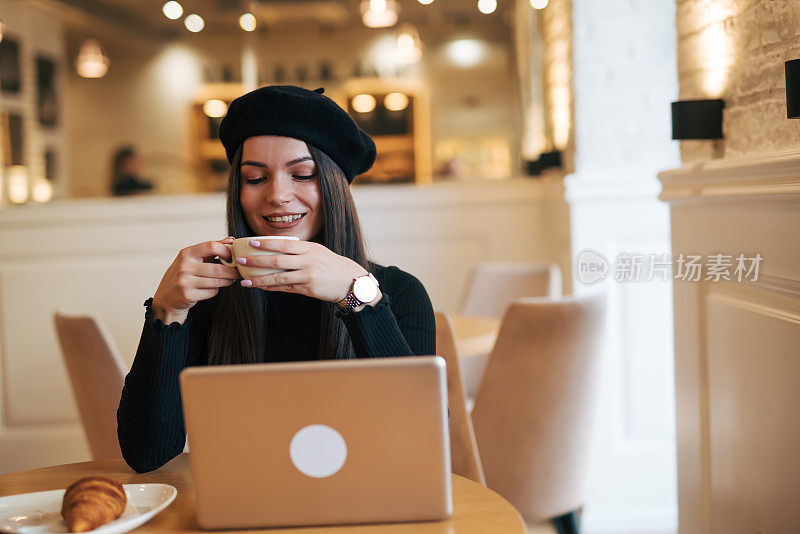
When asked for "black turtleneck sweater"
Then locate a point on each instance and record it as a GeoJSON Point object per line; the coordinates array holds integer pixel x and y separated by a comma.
{"type": "Point", "coordinates": [150, 423]}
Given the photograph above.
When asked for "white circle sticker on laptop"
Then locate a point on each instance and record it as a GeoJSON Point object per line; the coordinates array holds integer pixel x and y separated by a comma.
{"type": "Point", "coordinates": [318, 451]}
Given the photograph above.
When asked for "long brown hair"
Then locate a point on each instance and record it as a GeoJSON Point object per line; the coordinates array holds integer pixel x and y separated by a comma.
{"type": "Point", "coordinates": [237, 331]}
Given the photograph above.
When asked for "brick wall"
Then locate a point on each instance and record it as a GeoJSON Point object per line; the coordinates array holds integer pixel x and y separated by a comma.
{"type": "Point", "coordinates": [38, 34]}
{"type": "Point", "coordinates": [735, 50]}
{"type": "Point", "coordinates": [625, 79]}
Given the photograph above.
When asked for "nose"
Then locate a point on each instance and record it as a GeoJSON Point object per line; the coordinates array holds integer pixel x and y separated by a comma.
{"type": "Point", "coordinates": [280, 191]}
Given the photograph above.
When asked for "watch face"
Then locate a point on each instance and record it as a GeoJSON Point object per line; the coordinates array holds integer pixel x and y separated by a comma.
{"type": "Point", "coordinates": [365, 289]}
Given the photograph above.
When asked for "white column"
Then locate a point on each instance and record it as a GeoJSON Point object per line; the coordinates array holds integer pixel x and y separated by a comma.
{"type": "Point", "coordinates": [624, 76]}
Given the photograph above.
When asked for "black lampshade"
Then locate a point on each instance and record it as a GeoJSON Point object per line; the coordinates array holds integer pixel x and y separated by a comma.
{"type": "Point", "coordinates": [551, 159]}
{"type": "Point", "coordinates": [546, 160]}
{"type": "Point", "coordinates": [697, 119]}
{"type": "Point", "coordinates": [793, 89]}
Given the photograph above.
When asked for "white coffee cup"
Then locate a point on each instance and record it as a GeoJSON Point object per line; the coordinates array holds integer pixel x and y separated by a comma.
{"type": "Point", "coordinates": [241, 247]}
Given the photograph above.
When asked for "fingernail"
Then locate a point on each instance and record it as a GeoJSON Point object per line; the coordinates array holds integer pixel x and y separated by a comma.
{"type": "Point", "coordinates": [247, 283]}
{"type": "Point", "coordinates": [241, 261]}
{"type": "Point", "coordinates": [255, 243]}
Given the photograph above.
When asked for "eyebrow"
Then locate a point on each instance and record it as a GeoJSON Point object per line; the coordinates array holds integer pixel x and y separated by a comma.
{"type": "Point", "coordinates": [288, 163]}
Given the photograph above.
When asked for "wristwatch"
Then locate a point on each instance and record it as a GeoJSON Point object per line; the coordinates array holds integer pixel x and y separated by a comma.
{"type": "Point", "coordinates": [365, 289]}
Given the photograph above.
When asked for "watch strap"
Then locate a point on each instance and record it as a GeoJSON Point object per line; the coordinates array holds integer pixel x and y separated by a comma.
{"type": "Point", "coordinates": [350, 301]}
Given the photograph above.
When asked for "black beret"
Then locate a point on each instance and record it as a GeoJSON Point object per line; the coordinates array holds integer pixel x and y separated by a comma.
{"type": "Point", "coordinates": [295, 112]}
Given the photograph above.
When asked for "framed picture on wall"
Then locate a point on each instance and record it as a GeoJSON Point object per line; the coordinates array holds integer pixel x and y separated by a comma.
{"type": "Point", "coordinates": [10, 74]}
{"type": "Point", "coordinates": [12, 139]}
{"type": "Point", "coordinates": [50, 164]}
{"type": "Point", "coordinates": [46, 94]}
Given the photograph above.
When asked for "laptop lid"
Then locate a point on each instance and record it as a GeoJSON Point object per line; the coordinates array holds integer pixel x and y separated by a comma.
{"type": "Point", "coordinates": [323, 442]}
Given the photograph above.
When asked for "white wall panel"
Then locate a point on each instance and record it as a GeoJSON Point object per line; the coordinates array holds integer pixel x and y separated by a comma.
{"type": "Point", "coordinates": [70, 286]}
{"type": "Point", "coordinates": [736, 356]}
{"type": "Point", "coordinates": [754, 374]}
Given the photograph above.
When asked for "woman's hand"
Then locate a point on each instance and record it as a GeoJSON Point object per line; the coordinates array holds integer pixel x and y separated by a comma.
{"type": "Point", "coordinates": [192, 277]}
{"type": "Point", "coordinates": [313, 270]}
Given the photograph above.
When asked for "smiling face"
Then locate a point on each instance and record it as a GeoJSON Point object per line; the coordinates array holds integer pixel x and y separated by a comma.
{"type": "Point", "coordinates": [280, 187]}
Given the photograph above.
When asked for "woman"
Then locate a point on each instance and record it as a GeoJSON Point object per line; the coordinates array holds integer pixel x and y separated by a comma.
{"type": "Point", "coordinates": [293, 153]}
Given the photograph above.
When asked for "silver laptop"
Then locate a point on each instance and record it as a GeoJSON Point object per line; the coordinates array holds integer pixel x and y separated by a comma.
{"type": "Point", "coordinates": [319, 443]}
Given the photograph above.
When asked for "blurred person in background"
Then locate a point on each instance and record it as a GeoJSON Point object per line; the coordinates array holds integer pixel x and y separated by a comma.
{"type": "Point", "coordinates": [125, 170]}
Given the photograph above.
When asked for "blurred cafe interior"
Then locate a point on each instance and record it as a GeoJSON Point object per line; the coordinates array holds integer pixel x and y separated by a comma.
{"type": "Point", "coordinates": [553, 151]}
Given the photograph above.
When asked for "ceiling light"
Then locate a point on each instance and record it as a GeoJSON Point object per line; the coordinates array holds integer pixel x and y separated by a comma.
{"type": "Point", "coordinates": [395, 101]}
{"type": "Point", "coordinates": [379, 13]}
{"type": "Point", "coordinates": [92, 60]}
{"type": "Point", "coordinates": [539, 4]}
{"type": "Point", "coordinates": [248, 22]}
{"type": "Point", "coordinates": [194, 23]}
{"type": "Point", "coordinates": [363, 103]}
{"type": "Point", "coordinates": [409, 45]}
{"type": "Point", "coordinates": [487, 6]}
{"type": "Point", "coordinates": [172, 10]}
{"type": "Point", "coordinates": [405, 41]}
{"type": "Point", "coordinates": [215, 108]}
{"type": "Point", "coordinates": [425, 2]}
{"type": "Point", "coordinates": [466, 52]}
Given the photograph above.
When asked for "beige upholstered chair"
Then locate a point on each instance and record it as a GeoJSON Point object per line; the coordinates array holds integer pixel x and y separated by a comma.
{"type": "Point", "coordinates": [464, 459]}
{"type": "Point", "coordinates": [97, 373]}
{"type": "Point", "coordinates": [493, 286]}
{"type": "Point", "coordinates": [533, 412]}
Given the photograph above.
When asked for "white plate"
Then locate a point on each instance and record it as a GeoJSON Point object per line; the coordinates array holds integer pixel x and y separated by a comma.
{"type": "Point", "coordinates": [41, 512]}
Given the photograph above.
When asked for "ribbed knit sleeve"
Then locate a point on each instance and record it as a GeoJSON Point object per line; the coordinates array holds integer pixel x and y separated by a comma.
{"type": "Point", "coordinates": [400, 324]}
{"type": "Point", "coordinates": [150, 423]}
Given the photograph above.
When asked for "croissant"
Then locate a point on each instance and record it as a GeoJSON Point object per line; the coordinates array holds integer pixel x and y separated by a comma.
{"type": "Point", "coordinates": [92, 502]}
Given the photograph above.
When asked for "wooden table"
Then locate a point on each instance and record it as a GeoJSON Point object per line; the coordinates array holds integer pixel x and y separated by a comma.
{"type": "Point", "coordinates": [475, 337]}
{"type": "Point", "coordinates": [476, 509]}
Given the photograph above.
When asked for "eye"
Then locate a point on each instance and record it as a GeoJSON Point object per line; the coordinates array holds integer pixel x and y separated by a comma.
{"type": "Point", "coordinates": [254, 181]}
{"type": "Point", "coordinates": [304, 177]}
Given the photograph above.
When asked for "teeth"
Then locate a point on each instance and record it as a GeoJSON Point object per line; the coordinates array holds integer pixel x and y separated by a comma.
{"type": "Point", "coordinates": [285, 218]}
